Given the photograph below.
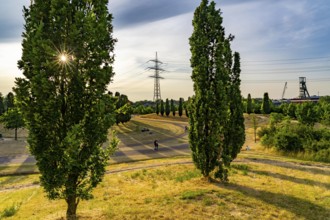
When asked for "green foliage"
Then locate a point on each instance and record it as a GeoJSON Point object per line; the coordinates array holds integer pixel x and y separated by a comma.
{"type": "Point", "coordinates": [266, 104]}
{"type": "Point", "coordinates": [256, 105]}
{"type": "Point", "coordinates": [297, 138]}
{"type": "Point", "coordinates": [142, 110]}
{"type": "Point", "coordinates": [324, 109]}
{"type": "Point", "coordinates": [185, 105]}
{"type": "Point", "coordinates": [172, 107]}
{"type": "Point", "coordinates": [12, 119]}
{"type": "Point", "coordinates": [67, 63]}
{"type": "Point", "coordinates": [162, 109]}
{"type": "Point", "coordinates": [275, 118]}
{"type": "Point", "coordinates": [9, 101]}
{"type": "Point", "coordinates": [307, 113]}
{"type": "Point", "coordinates": [216, 131]}
{"type": "Point", "coordinates": [180, 106]}
{"type": "Point", "coordinates": [157, 107]}
{"type": "Point", "coordinates": [2, 105]}
{"type": "Point", "coordinates": [287, 141]}
{"type": "Point", "coordinates": [123, 108]}
{"type": "Point", "coordinates": [249, 104]}
{"type": "Point", "coordinates": [167, 107]}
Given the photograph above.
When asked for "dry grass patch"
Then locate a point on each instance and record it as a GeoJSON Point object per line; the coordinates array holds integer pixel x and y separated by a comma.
{"type": "Point", "coordinates": [256, 189]}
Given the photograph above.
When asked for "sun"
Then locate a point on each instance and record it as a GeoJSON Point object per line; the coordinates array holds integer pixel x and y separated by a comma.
{"type": "Point", "coordinates": [63, 58]}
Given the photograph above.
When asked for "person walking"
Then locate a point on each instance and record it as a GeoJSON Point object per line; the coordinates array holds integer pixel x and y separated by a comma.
{"type": "Point", "coordinates": [155, 145]}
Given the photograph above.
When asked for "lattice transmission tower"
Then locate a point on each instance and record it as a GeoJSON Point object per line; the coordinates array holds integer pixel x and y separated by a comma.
{"type": "Point", "coordinates": [157, 77]}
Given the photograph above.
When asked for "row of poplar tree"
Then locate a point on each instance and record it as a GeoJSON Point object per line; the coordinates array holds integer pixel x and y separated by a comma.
{"type": "Point", "coordinates": [166, 109]}
{"type": "Point", "coordinates": [67, 61]}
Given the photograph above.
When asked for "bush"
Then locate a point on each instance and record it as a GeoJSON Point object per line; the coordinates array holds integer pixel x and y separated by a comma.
{"type": "Point", "coordinates": [323, 155]}
{"type": "Point", "coordinates": [288, 141]}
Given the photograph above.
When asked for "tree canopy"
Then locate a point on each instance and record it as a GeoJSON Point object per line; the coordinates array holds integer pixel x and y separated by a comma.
{"type": "Point", "coordinates": [215, 111]}
{"type": "Point", "coordinates": [67, 62]}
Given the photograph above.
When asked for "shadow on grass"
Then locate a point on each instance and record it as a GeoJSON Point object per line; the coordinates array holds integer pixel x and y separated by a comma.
{"type": "Point", "coordinates": [290, 165]}
{"type": "Point", "coordinates": [302, 208]}
{"type": "Point", "coordinates": [292, 179]}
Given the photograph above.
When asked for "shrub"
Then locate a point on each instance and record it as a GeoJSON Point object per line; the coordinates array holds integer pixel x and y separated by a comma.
{"type": "Point", "coordinates": [288, 141]}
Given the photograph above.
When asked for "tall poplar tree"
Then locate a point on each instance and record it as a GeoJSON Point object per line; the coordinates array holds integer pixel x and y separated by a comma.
{"type": "Point", "coordinates": [162, 109]}
{"type": "Point", "coordinates": [172, 107]}
{"type": "Point", "coordinates": [67, 62]}
{"type": "Point", "coordinates": [167, 108]}
{"type": "Point", "coordinates": [180, 106]}
{"type": "Point", "coordinates": [249, 104]}
{"type": "Point", "coordinates": [265, 104]}
{"type": "Point", "coordinates": [217, 100]}
{"type": "Point", "coordinates": [157, 107]}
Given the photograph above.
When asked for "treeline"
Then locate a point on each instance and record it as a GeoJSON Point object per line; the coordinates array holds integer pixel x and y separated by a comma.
{"type": "Point", "coordinates": [293, 131]}
{"type": "Point", "coordinates": [306, 112]}
{"type": "Point", "coordinates": [167, 108]}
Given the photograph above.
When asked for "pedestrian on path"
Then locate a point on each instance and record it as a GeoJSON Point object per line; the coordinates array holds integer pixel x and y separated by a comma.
{"type": "Point", "coordinates": [155, 145]}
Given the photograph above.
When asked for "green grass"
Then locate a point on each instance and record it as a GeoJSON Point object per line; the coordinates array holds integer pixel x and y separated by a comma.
{"type": "Point", "coordinates": [272, 188]}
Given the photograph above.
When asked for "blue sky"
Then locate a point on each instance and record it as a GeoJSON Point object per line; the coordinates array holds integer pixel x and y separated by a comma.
{"type": "Point", "coordinates": [279, 41]}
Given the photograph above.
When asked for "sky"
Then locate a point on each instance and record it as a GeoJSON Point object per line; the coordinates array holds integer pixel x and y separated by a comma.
{"type": "Point", "coordinates": [279, 41]}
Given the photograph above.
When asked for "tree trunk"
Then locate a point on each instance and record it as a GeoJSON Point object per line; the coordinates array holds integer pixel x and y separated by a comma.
{"type": "Point", "coordinates": [72, 208]}
{"type": "Point", "coordinates": [15, 134]}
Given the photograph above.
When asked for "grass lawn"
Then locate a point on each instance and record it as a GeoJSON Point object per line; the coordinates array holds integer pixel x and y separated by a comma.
{"type": "Point", "coordinates": [259, 188]}
{"type": "Point", "coordinates": [262, 185]}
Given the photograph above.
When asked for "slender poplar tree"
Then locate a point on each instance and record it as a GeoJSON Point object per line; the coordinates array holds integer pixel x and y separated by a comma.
{"type": "Point", "coordinates": [249, 104]}
{"type": "Point", "coordinates": [157, 107]}
{"type": "Point", "coordinates": [172, 107]}
{"type": "Point", "coordinates": [162, 109]}
{"type": "Point", "coordinates": [265, 104]}
{"type": "Point", "coordinates": [180, 106]}
{"type": "Point", "coordinates": [167, 108]}
{"type": "Point", "coordinates": [67, 62]}
{"type": "Point", "coordinates": [217, 100]}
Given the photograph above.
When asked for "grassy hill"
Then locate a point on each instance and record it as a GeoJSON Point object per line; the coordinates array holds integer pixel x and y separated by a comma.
{"type": "Point", "coordinates": [261, 185]}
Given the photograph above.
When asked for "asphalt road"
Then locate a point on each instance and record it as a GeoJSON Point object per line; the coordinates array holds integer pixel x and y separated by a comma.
{"type": "Point", "coordinates": [168, 147]}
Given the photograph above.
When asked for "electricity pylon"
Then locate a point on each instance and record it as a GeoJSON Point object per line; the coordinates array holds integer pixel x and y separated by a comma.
{"type": "Point", "coordinates": [157, 77]}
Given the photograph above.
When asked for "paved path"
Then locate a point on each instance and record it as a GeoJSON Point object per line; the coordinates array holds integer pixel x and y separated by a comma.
{"type": "Point", "coordinates": [168, 147]}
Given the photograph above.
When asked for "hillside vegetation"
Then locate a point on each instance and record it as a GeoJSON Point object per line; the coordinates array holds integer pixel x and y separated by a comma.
{"type": "Point", "coordinates": [261, 185]}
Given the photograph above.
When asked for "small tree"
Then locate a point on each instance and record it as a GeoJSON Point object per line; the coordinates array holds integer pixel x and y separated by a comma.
{"type": "Point", "coordinates": [266, 104]}
{"type": "Point", "coordinates": [162, 109]}
{"type": "Point", "coordinates": [12, 119]}
{"type": "Point", "coordinates": [180, 106]}
{"type": "Point", "coordinates": [167, 108]}
{"type": "Point", "coordinates": [249, 104]}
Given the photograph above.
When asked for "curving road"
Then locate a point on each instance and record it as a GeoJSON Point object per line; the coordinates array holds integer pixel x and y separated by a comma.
{"type": "Point", "coordinates": [169, 146]}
